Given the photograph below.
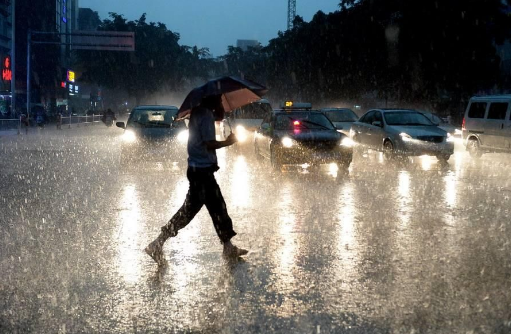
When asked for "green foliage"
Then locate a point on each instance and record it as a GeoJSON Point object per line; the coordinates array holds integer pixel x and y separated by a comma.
{"type": "Point", "coordinates": [410, 51]}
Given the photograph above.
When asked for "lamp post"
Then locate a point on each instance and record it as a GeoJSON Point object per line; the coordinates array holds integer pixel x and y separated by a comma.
{"type": "Point", "coordinates": [29, 42]}
{"type": "Point", "coordinates": [13, 58]}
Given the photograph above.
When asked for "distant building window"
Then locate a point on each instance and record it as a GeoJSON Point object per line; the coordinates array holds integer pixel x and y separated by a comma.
{"type": "Point", "coordinates": [477, 110]}
{"type": "Point", "coordinates": [497, 111]}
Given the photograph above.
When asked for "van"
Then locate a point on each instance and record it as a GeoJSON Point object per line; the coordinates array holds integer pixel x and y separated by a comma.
{"type": "Point", "coordinates": [486, 126]}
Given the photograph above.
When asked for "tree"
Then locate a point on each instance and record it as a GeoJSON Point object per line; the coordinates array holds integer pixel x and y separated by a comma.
{"type": "Point", "coordinates": [158, 62]}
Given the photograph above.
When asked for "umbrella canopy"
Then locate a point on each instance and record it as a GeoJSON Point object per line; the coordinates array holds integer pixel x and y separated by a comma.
{"type": "Point", "coordinates": [235, 93]}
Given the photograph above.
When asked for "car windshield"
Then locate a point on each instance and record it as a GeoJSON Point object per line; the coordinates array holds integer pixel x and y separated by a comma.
{"type": "Point", "coordinates": [303, 120]}
{"type": "Point", "coordinates": [343, 115]}
{"type": "Point", "coordinates": [147, 118]}
{"type": "Point", "coordinates": [406, 118]}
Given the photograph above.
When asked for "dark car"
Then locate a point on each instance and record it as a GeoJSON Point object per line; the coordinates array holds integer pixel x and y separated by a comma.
{"type": "Point", "coordinates": [299, 137]}
{"type": "Point", "coordinates": [151, 133]}
{"type": "Point", "coordinates": [342, 118]}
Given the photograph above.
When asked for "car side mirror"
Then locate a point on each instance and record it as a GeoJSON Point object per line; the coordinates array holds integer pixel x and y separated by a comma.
{"type": "Point", "coordinates": [377, 123]}
{"type": "Point", "coordinates": [120, 125]}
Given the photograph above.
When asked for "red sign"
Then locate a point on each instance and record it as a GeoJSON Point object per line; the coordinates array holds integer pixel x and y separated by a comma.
{"type": "Point", "coordinates": [6, 70]}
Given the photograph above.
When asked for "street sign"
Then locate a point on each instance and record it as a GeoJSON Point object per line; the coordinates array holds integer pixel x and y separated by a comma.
{"type": "Point", "coordinates": [103, 40]}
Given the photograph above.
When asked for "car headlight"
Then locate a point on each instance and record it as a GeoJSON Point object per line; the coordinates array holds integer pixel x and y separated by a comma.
{"type": "Point", "coordinates": [287, 142]}
{"type": "Point", "coordinates": [458, 132]}
{"type": "Point", "coordinates": [347, 142]}
{"type": "Point", "coordinates": [450, 138]}
{"type": "Point", "coordinates": [241, 133]}
{"type": "Point", "coordinates": [129, 137]}
{"type": "Point", "coordinates": [405, 136]}
{"type": "Point", "coordinates": [182, 136]}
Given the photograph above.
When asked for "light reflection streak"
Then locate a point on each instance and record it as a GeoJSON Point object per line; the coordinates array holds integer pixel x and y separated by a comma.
{"type": "Point", "coordinates": [405, 197]}
{"type": "Point", "coordinates": [347, 245]}
{"type": "Point", "coordinates": [240, 185]}
{"type": "Point", "coordinates": [333, 169]}
{"type": "Point", "coordinates": [286, 279]}
{"type": "Point", "coordinates": [450, 189]}
{"type": "Point", "coordinates": [221, 156]}
{"type": "Point", "coordinates": [177, 197]}
{"type": "Point", "coordinates": [128, 235]}
{"type": "Point", "coordinates": [426, 162]}
{"type": "Point", "coordinates": [381, 158]}
{"type": "Point", "coordinates": [458, 161]}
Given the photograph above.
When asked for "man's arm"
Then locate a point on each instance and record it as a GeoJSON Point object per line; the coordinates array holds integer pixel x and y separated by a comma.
{"type": "Point", "coordinates": [215, 145]}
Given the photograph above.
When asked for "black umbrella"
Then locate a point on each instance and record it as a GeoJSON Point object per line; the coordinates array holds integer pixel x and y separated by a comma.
{"type": "Point", "coordinates": [235, 93]}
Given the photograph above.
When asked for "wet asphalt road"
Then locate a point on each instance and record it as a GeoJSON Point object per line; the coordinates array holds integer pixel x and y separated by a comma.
{"type": "Point", "coordinates": [413, 247]}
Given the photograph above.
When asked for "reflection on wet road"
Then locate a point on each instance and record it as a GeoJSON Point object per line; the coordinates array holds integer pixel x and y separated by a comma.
{"type": "Point", "coordinates": [390, 247]}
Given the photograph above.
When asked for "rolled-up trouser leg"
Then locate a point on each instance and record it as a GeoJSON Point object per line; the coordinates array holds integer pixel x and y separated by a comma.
{"type": "Point", "coordinates": [192, 205]}
{"type": "Point", "coordinates": [215, 204]}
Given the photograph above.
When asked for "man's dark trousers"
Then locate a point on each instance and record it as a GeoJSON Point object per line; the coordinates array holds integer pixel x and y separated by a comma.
{"type": "Point", "coordinates": [204, 190]}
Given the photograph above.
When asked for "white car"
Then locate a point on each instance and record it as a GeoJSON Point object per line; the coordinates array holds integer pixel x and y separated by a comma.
{"type": "Point", "coordinates": [342, 118]}
{"type": "Point", "coordinates": [402, 132]}
{"type": "Point", "coordinates": [245, 120]}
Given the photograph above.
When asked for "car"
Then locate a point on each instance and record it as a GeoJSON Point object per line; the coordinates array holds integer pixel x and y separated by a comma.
{"type": "Point", "coordinates": [486, 126]}
{"type": "Point", "coordinates": [401, 132]}
{"type": "Point", "coordinates": [245, 120]}
{"type": "Point", "coordinates": [151, 133]}
{"type": "Point", "coordinates": [342, 118]}
{"type": "Point", "coordinates": [301, 136]}
{"type": "Point", "coordinates": [443, 123]}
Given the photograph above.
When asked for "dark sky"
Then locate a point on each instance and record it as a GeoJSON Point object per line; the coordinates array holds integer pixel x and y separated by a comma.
{"type": "Point", "coordinates": [214, 23]}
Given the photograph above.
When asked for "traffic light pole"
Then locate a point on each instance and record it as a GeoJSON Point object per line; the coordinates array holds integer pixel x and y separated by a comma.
{"type": "Point", "coordinates": [13, 59]}
{"type": "Point", "coordinates": [29, 42]}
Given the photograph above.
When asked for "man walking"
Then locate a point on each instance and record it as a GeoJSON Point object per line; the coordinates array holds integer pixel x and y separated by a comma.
{"type": "Point", "coordinates": [203, 188]}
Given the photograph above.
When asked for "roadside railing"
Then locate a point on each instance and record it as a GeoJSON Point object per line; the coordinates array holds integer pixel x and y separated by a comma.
{"type": "Point", "coordinates": [11, 124]}
{"type": "Point", "coordinates": [80, 120]}
{"type": "Point", "coordinates": [19, 124]}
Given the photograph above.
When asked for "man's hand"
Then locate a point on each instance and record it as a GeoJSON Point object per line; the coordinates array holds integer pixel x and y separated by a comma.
{"type": "Point", "coordinates": [231, 139]}
{"type": "Point", "coordinates": [215, 145]}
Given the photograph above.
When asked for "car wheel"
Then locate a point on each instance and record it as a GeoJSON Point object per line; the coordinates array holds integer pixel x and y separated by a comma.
{"type": "Point", "coordinates": [388, 150]}
{"type": "Point", "coordinates": [344, 163]}
{"type": "Point", "coordinates": [443, 157]}
{"type": "Point", "coordinates": [473, 148]}
{"type": "Point", "coordinates": [275, 160]}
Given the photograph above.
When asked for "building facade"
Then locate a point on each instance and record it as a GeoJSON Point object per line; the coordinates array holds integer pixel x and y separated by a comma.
{"type": "Point", "coordinates": [244, 44]}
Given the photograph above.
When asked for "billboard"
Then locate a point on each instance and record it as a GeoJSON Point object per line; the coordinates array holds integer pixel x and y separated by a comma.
{"type": "Point", "coordinates": [103, 40]}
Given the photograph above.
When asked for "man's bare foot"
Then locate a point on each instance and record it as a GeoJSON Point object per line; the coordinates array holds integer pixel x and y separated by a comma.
{"type": "Point", "coordinates": [232, 251]}
{"type": "Point", "coordinates": [155, 251]}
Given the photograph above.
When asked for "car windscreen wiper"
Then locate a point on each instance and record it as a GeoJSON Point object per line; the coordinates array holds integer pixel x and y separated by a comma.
{"type": "Point", "coordinates": [314, 123]}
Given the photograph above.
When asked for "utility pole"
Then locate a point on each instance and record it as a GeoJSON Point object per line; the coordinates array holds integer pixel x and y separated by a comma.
{"type": "Point", "coordinates": [291, 13]}
{"type": "Point", "coordinates": [29, 47]}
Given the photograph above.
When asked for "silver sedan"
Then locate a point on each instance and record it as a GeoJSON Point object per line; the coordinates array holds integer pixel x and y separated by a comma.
{"type": "Point", "coordinates": [401, 132]}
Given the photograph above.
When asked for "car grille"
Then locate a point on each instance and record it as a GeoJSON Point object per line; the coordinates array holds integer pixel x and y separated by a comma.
{"type": "Point", "coordinates": [432, 139]}
{"type": "Point", "coordinates": [319, 145]}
